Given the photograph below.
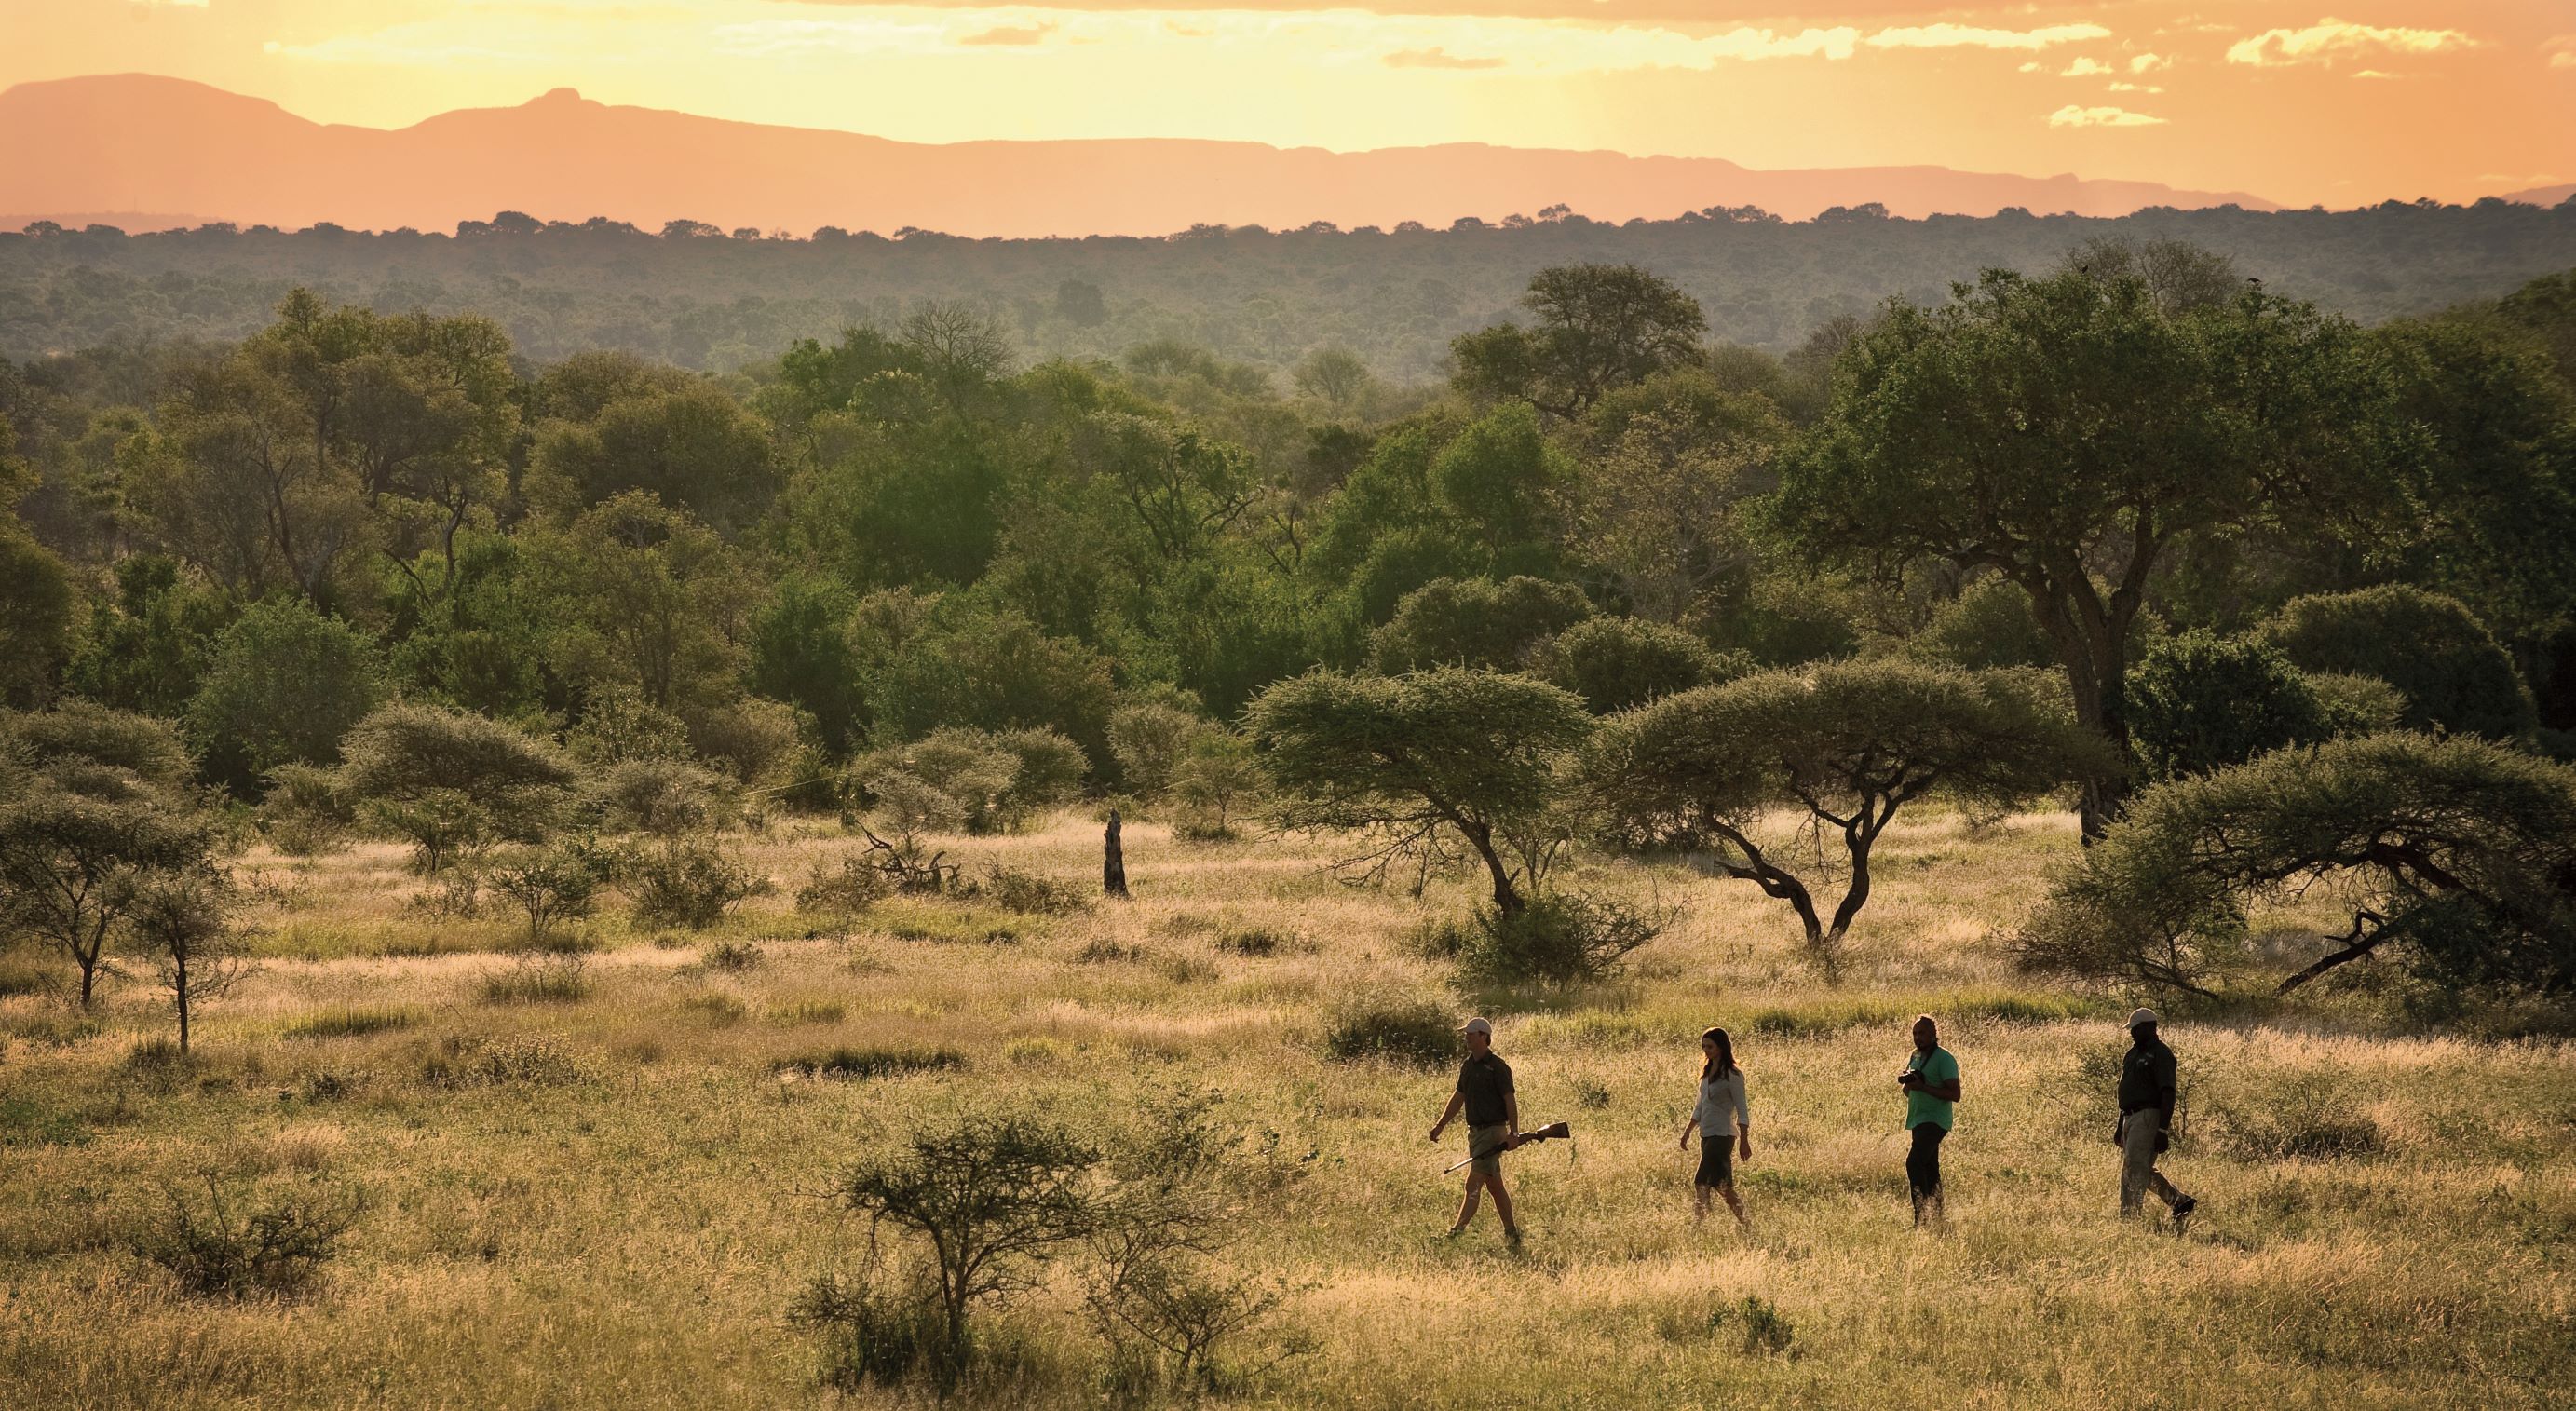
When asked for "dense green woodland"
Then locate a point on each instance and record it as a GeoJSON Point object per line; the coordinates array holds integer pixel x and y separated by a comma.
{"type": "Point", "coordinates": [2127, 520]}
{"type": "Point", "coordinates": [696, 297]}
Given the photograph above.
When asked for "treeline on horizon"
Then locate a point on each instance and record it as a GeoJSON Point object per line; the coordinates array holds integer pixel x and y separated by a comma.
{"type": "Point", "coordinates": [2194, 520]}
{"type": "Point", "coordinates": [700, 297]}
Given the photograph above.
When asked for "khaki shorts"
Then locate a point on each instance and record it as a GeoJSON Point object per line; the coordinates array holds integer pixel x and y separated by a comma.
{"type": "Point", "coordinates": [1485, 1144]}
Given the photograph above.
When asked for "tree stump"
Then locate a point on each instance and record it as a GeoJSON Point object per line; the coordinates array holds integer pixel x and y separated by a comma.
{"type": "Point", "coordinates": [1113, 863]}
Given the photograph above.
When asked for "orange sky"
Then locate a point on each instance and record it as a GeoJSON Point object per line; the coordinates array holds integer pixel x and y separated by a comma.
{"type": "Point", "coordinates": [2318, 101]}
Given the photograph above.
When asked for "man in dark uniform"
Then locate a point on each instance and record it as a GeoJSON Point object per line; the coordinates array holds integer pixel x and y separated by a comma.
{"type": "Point", "coordinates": [2146, 1120]}
{"type": "Point", "coordinates": [1493, 1124]}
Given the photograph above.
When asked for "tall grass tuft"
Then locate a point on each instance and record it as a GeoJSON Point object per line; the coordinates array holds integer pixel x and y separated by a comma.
{"type": "Point", "coordinates": [869, 1062]}
{"type": "Point", "coordinates": [352, 1021]}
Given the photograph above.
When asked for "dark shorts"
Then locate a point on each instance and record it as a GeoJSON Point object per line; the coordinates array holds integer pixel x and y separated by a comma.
{"type": "Point", "coordinates": [1716, 1162]}
{"type": "Point", "coordinates": [1485, 1144]}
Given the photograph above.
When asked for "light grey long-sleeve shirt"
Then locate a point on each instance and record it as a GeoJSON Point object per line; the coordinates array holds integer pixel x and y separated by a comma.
{"type": "Point", "coordinates": [1721, 1105]}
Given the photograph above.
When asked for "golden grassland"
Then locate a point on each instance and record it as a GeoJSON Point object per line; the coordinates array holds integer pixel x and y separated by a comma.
{"type": "Point", "coordinates": [631, 1237]}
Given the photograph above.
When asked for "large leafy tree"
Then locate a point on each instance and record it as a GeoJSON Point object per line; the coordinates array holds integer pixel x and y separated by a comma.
{"type": "Point", "coordinates": [2454, 676]}
{"type": "Point", "coordinates": [286, 683]}
{"type": "Point", "coordinates": [1844, 747]}
{"type": "Point", "coordinates": [646, 596]}
{"type": "Point", "coordinates": [2068, 433]}
{"type": "Point", "coordinates": [1425, 762]}
{"type": "Point", "coordinates": [1594, 328]}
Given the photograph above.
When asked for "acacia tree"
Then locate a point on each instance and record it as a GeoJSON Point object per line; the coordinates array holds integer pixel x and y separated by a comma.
{"type": "Point", "coordinates": [93, 808]}
{"type": "Point", "coordinates": [2459, 852]}
{"type": "Point", "coordinates": [2068, 434]}
{"type": "Point", "coordinates": [1848, 744]}
{"type": "Point", "coordinates": [182, 923]}
{"type": "Point", "coordinates": [1421, 759]}
{"type": "Point", "coordinates": [993, 1199]}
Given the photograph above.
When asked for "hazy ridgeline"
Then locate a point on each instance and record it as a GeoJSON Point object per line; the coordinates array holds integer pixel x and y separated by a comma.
{"type": "Point", "coordinates": [508, 861]}
{"type": "Point", "coordinates": [704, 300]}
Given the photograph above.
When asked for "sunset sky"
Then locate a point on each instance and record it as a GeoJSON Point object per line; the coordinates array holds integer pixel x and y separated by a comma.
{"type": "Point", "coordinates": [2319, 101]}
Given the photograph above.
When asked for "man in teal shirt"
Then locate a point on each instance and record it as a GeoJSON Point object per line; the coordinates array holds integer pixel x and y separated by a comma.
{"type": "Point", "coordinates": [1931, 1085]}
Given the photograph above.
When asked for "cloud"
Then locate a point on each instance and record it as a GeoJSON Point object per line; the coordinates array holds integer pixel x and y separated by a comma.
{"type": "Point", "coordinates": [1952, 36]}
{"type": "Point", "coordinates": [2149, 63]}
{"type": "Point", "coordinates": [2321, 42]}
{"type": "Point", "coordinates": [2084, 67]}
{"type": "Point", "coordinates": [2137, 88]}
{"type": "Point", "coordinates": [1013, 35]}
{"type": "Point", "coordinates": [1438, 58]}
{"type": "Point", "coordinates": [1524, 46]}
{"type": "Point", "coordinates": [2073, 116]}
{"type": "Point", "coordinates": [2563, 59]}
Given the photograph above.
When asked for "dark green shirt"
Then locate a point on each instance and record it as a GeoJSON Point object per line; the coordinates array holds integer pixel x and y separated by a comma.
{"type": "Point", "coordinates": [1486, 1082]}
{"type": "Point", "coordinates": [2146, 1075]}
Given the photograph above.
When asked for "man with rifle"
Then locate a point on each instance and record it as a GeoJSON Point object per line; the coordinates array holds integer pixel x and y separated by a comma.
{"type": "Point", "coordinates": [2146, 1096]}
{"type": "Point", "coordinates": [1493, 1125]}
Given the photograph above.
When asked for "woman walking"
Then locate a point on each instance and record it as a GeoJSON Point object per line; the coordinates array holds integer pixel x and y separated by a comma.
{"type": "Point", "coordinates": [1725, 1126]}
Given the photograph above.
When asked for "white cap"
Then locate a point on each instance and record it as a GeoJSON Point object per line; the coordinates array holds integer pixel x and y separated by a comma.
{"type": "Point", "coordinates": [2140, 1018]}
{"type": "Point", "coordinates": [1477, 1026]}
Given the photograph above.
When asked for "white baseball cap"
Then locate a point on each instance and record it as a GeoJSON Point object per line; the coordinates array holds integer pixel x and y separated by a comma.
{"type": "Point", "coordinates": [1477, 1026]}
{"type": "Point", "coordinates": [2139, 1018]}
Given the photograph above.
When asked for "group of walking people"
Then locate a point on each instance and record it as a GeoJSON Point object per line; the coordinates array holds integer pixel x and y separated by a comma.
{"type": "Point", "coordinates": [1723, 1119]}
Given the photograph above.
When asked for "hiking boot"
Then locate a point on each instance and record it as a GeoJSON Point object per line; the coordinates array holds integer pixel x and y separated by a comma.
{"type": "Point", "coordinates": [1512, 1238]}
{"type": "Point", "coordinates": [2182, 1212]}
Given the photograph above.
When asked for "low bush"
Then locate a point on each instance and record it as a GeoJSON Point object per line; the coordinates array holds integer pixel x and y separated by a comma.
{"type": "Point", "coordinates": [869, 1062]}
{"type": "Point", "coordinates": [237, 1245]}
{"type": "Point", "coordinates": [529, 1060]}
{"type": "Point", "coordinates": [2310, 1114]}
{"type": "Point", "coordinates": [454, 894]}
{"type": "Point", "coordinates": [1402, 1031]}
{"type": "Point", "coordinates": [1558, 938]}
{"type": "Point", "coordinates": [734, 957]}
{"type": "Point", "coordinates": [156, 1056]}
{"type": "Point", "coordinates": [351, 1021]}
{"type": "Point", "coordinates": [331, 1085]}
{"type": "Point", "coordinates": [547, 885]}
{"type": "Point", "coordinates": [1260, 943]}
{"type": "Point", "coordinates": [1765, 1329]}
{"type": "Point", "coordinates": [540, 978]}
{"type": "Point", "coordinates": [1030, 893]}
{"type": "Point", "coordinates": [875, 1330]}
{"type": "Point", "coordinates": [686, 882]}
{"type": "Point", "coordinates": [845, 888]}
{"type": "Point", "coordinates": [1103, 951]}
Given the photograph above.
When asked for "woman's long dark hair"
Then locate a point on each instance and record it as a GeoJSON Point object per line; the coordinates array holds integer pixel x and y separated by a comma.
{"type": "Point", "coordinates": [1724, 1063]}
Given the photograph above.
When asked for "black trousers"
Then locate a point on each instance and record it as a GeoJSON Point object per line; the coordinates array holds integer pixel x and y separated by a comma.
{"type": "Point", "coordinates": [1923, 1163]}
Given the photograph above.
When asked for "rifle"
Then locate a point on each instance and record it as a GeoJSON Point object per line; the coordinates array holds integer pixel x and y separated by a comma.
{"type": "Point", "coordinates": [1547, 1133]}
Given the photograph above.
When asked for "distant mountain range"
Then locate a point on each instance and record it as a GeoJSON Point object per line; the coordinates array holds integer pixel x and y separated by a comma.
{"type": "Point", "coordinates": [86, 149]}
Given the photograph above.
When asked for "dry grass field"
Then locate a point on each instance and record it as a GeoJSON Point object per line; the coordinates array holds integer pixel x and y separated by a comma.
{"type": "Point", "coordinates": [610, 1201]}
